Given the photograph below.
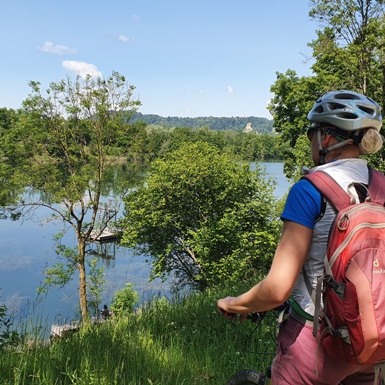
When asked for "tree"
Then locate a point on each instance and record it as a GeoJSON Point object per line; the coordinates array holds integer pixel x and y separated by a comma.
{"type": "Point", "coordinates": [349, 44]}
{"type": "Point", "coordinates": [202, 218]}
{"type": "Point", "coordinates": [124, 300]}
{"type": "Point", "coordinates": [9, 336]}
{"type": "Point", "coordinates": [348, 53]}
{"type": "Point", "coordinates": [63, 149]}
{"type": "Point", "coordinates": [96, 282]}
{"type": "Point", "coordinates": [8, 117]}
{"type": "Point", "coordinates": [292, 100]}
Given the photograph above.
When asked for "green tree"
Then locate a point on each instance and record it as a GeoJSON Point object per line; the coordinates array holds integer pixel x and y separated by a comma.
{"type": "Point", "coordinates": [348, 54]}
{"type": "Point", "coordinates": [347, 49]}
{"type": "Point", "coordinates": [157, 141]}
{"type": "Point", "coordinates": [202, 218]}
{"type": "Point", "coordinates": [8, 335]}
{"type": "Point", "coordinates": [124, 300]}
{"type": "Point", "coordinates": [96, 281]}
{"type": "Point", "coordinates": [179, 136]}
{"type": "Point", "coordinates": [292, 100]}
{"type": "Point", "coordinates": [8, 117]}
{"type": "Point", "coordinates": [63, 148]}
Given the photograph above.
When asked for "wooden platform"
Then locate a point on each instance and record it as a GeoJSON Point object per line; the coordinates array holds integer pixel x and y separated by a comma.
{"type": "Point", "coordinates": [58, 331]}
{"type": "Point", "coordinates": [104, 236]}
{"type": "Point", "coordinates": [63, 330]}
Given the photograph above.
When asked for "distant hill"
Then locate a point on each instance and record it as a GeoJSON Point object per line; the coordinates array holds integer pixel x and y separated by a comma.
{"type": "Point", "coordinates": [237, 123]}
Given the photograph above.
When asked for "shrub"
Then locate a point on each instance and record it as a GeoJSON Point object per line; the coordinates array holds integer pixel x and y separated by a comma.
{"type": "Point", "coordinates": [124, 300]}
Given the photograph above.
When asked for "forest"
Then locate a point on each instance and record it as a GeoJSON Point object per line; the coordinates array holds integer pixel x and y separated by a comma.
{"type": "Point", "coordinates": [150, 138]}
{"type": "Point", "coordinates": [236, 123]}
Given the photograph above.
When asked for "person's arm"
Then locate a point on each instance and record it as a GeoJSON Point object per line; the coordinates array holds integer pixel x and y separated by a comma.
{"type": "Point", "coordinates": [278, 284]}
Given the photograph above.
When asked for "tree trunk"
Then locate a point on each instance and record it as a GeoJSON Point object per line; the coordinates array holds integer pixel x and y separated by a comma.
{"type": "Point", "coordinates": [82, 279]}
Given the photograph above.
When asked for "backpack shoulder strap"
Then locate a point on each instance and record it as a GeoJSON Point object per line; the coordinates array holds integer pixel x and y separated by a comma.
{"type": "Point", "coordinates": [376, 186]}
{"type": "Point", "coordinates": [329, 188]}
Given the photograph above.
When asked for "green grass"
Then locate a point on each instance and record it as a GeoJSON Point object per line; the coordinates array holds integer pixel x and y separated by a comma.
{"type": "Point", "coordinates": [185, 341]}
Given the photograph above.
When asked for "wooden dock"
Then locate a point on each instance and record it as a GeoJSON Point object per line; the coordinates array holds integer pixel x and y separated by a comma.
{"type": "Point", "coordinates": [63, 330]}
{"type": "Point", "coordinates": [106, 235]}
{"type": "Point", "coordinates": [105, 229]}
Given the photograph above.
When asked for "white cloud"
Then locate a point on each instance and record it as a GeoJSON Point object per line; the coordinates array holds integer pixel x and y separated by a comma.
{"type": "Point", "coordinates": [56, 49]}
{"type": "Point", "coordinates": [82, 68]}
{"type": "Point", "coordinates": [124, 38]}
{"type": "Point", "coordinates": [230, 90]}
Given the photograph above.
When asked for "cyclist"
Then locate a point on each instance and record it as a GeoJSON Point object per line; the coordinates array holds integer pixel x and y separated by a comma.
{"type": "Point", "coordinates": [344, 125]}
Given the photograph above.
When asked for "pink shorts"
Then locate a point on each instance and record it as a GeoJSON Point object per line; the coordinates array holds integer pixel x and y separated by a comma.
{"type": "Point", "coordinates": [297, 357]}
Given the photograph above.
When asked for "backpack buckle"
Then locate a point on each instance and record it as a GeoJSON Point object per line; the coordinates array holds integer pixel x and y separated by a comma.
{"type": "Point", "coordinates": [337, 287]}
{"type": "Point", "coordinates": [342, 333]}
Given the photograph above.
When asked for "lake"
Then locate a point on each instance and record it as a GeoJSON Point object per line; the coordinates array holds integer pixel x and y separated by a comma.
{"type": "Point", "coordinates": [27, 247]}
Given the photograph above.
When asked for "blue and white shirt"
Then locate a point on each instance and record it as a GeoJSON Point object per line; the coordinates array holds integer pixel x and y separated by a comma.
{"type": "Point", "coordinates": [304, 205]}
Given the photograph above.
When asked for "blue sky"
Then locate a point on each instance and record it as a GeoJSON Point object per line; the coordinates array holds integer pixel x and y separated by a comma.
{"type": "Point", "coordinates": [186, 58]}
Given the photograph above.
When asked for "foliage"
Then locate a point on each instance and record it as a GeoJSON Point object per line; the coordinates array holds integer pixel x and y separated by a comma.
{"type": "Point", "coordinates": [60, 155]}
{"type": "Point", "coordinates": [202, 217]}
{"type": "Point", "coordinates": [154, 141]}
{"type": "Point", "coordinates": [237, 123]}
{"type": "Point", "coordinates": [8, 118]}
{"type": "Point", "coordinates": [348, 49]}
{"type": "Point", "coordinates": [292, 100]}
{"type": "Point", "coordinates": [168, 342]}
{"type": "Point", "coordinates": [348, 54]}
{"type": "Point", "coordinates": [96, 282]}
{"type": "Point", "coordinates": [124, 300]}
{"type": "Point", "coordinates": [244, 146]}
{"type": "Point", "coordinates": [9, 337]}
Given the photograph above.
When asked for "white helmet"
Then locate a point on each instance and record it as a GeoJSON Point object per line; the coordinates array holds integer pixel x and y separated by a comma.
{"type": "Point", "coordinates": [347, 110]}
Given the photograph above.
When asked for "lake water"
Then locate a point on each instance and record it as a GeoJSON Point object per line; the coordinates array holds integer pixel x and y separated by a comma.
{"type": "Point", "coordinates": [26, 248]}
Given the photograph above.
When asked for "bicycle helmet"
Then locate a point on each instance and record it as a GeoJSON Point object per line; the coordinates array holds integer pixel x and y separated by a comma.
{"type": "Point", "coordinates": [344, 115]}
{"type": "Point", "coordinates": [347, 110]}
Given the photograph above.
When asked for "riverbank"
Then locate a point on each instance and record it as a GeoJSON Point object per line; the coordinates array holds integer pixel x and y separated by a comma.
{"type": "Point", "coordinates": [184, 340]}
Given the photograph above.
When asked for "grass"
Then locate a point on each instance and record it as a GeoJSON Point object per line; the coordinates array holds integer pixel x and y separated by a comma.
{"type": "Point", "coordinates": [182, 341]}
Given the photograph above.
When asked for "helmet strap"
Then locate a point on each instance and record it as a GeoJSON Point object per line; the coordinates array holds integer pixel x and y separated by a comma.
{"type": "Point", "coordinates": [324, 151]}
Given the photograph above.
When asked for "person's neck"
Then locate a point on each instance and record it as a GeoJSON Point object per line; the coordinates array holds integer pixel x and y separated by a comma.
{"type": "Point", "coordinates": [347, 153]}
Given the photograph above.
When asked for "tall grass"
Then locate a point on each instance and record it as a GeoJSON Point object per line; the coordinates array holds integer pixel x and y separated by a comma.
{"type": "Point", "coordinates": [182, 341]}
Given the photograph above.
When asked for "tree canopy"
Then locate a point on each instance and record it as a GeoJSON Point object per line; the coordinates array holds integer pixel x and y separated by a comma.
{"type": "Point", "coordinates": [348, 54]}
{"type": "Point", "coordinates": [60, 153]}
{"type": "Point", "coordinates": [236, 123]}
{"type": "Point", "coordinates": [202, 218]}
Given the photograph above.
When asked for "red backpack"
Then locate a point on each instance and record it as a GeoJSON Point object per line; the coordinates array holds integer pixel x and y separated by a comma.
{"type": "Point", "coordinates": [353, 286]}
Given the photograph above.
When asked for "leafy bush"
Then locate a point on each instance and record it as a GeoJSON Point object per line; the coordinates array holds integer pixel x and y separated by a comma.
{"type": "Point", "coordinates": [124, 300]}
{"type": "Point", "coordinates": [202, 217]}
{"type": "Point", "coordinates": [8, 337]}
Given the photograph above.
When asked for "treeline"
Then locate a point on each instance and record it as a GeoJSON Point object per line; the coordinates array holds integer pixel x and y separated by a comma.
{"type": "Point", "coordinates": [239, 145]}
{"type": "Point", "coordinates": [148, 142]}
{"type": "Point", "coordinates": [237, 123]}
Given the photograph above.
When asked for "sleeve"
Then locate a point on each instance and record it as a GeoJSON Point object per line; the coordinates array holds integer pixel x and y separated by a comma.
{"type": "Point", "coordinates": [303, 204]}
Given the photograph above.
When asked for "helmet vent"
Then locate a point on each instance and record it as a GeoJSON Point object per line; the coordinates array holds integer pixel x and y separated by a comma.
{"type": "Point", "coordinates": [366, 110]}
{"type": "Point", "coordinates": [345, 95]}
{"type": "Point", "coordinates": [347, 115]}
{"type": "Point", "coordinates": [336, 106]}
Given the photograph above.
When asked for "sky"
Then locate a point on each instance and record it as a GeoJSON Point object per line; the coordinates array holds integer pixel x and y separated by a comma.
{"type": "Point", "coordinates": [186, 58]}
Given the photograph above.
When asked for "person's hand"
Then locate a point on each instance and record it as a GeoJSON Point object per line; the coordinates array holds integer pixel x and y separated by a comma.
{"type": "Point", "coordinates": [225, 308]}
{"type": "Point", "coordinates": [223, 304]}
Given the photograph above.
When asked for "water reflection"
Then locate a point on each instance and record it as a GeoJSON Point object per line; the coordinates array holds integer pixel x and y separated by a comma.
{"type": "Point", "coordinates": [28, 247]}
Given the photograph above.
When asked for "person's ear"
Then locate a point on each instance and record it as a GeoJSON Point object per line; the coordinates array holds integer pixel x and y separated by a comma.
{"type": "Point", "coordinates": [326, 138]}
